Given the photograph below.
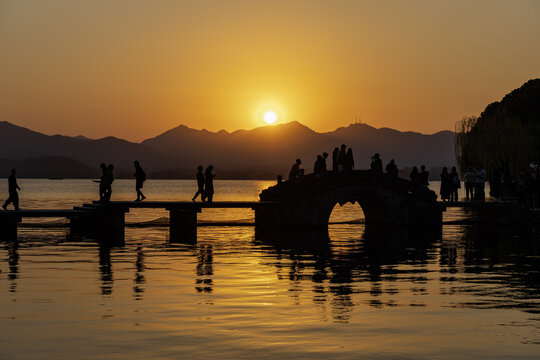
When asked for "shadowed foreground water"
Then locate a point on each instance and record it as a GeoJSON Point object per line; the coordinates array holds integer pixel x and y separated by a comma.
{"type": "Point", "coordinates": [352, 292]}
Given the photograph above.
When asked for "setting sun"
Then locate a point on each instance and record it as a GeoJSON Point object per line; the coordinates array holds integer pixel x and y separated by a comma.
{"type": "Point", "coordinates": [270, 117]}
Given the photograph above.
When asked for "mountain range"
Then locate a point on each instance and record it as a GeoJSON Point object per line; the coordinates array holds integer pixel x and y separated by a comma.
{"type": "Point", "coordinates": [260, 153]}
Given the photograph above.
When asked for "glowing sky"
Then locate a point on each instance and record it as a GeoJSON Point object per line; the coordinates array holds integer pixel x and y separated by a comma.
{"type": "Point", "coordinates": [134, 69]}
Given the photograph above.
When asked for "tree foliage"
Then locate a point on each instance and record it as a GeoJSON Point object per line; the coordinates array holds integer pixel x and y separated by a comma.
{"type": "Point", "coordinates": [507, 133]}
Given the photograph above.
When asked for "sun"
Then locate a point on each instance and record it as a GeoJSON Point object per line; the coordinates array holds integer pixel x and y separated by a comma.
{"type": "Point", "coordinates": [270, 117]}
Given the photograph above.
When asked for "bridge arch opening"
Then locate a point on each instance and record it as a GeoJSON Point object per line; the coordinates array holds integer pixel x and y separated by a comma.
{"type": "Point", "coordinates": [348, 213]}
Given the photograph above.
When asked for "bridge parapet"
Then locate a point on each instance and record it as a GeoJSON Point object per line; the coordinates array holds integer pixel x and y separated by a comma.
{"type": "Point", "coordinates": [310, 185]}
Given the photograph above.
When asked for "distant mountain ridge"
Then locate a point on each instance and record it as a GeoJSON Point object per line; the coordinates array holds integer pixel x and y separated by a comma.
{"type": "Point", "coordinates": [262, 152]}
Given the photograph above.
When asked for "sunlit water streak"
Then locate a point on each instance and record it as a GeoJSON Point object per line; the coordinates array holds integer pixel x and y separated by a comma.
{"type": "Point", "coordinates": [352, 293]}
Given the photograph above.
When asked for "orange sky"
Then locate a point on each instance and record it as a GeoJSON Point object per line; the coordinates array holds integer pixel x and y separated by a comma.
{"type": "Point", "coordinates": [134, 69]}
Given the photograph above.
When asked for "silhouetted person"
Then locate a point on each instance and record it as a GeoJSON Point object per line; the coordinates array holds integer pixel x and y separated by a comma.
{"type": "Point", "coordinates": [481, 177]}
{"type": "Point", "coordinates": [335, 159]}
{"type": "Point", "coordinates": [294, 174]}
{"type": "Point", "coordinates": [102, 187]}
{"type": "Point", "coordinates": [323, 163]}
{"type": "Point", "coordinates": [376, 164]}
{"type": "Point", "coordinates": [12, 190]}
{"type": "Point", "coordinates": [445, 184]}
{"type": "Point", "coordinates": [455, 184]}
{"type": "Point", "coordinates": [469, 179]}
{"type": "Point", "coordinates": [391, 169]}
{"type": "Point", "coordinates": [317, 167]}
{"type": "Point", "coordinates": [342, 158]}
{"type": "Point", "coordinates": [349, 160]}
{"type": "Point", "coordinates": [209, 184]}
{"type": "Point", "coordinates": [108, 179]}
{"type": "Point", "coordinates": [200, 184]}
{"type": "Point", "coordinates": [424, 177]}
{"type": "Point", "coordinates": [140, 178]}
{"type": "Point", "coordinates": [415, 177]}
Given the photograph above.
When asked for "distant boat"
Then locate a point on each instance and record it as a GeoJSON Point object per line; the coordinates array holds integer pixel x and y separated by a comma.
{"type": "Point", "coordinates": [56, 178]}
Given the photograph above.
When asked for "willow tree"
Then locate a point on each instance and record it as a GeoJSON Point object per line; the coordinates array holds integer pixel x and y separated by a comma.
{"type": "Point", "coordinates": [507, 133]}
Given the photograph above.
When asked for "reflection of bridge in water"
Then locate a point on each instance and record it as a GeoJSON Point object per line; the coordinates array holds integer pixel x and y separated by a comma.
{"type": "Point", "coordinates": [305, 203]}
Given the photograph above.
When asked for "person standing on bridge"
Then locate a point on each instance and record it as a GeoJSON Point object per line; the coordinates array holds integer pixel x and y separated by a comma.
{"type": "Point", "coordinates": [209, 184]}
{"type": "Point", "coordinates": [295, 172]}
{"type": "Point", "coordinates": [424, 177]}
{"type": "Point", "coordinates": [455, 184]}
{"type": "Point", "coordinates": [376, 164]}
{"type": "Point", "coordinates": [12, 189]}
{"type": "Point", "coordinates": [317, 167]}
{"type": "Point", "coordinates": [335, 159]}
{"type": "Point", "coordinates": [479, 192]}
{"type": "Point", "coordinates": [349, 160]}
{"type": "Point", "coordinates": [415, 177]}
{"type": "Point", "coordinates": [323, 163]}
{"type": "Point", "coordinates": [469, 179]}
{"type": "Point", "coordinates": [140, 178]}
{"type": "Point", "coordinates": [200, 184]}
{"type": "Point", "coordinates": [342, 158]}
{"type": "Point", "coordinates": [108, 179]}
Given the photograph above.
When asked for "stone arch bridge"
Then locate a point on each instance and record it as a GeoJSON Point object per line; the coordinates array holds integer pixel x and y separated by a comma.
{"type": "Point", "coordinates": [384, 200]}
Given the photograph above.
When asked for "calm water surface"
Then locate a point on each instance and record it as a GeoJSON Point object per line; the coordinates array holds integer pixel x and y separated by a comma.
{"type": "Point", "coordinates": [351, 293]}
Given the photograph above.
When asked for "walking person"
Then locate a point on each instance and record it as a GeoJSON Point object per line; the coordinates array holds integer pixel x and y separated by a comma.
{"type": "Point", "coordinates": [12, 189]}
{"type": "Point", "coordinates": [140, 178]}
{"type": "Point", "coordinates": [200, 184]}
{"type": "Point", "coordinates": [455, 184]}
{"type": "Point", "coordinates": [209, 184]}
{"type": "Point", "coordinates": [469, 179]}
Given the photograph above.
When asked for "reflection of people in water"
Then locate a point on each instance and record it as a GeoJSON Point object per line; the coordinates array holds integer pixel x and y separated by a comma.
{"type": "Point", "coordinates": [205, 270]}
{"type": "Point", "coordinates": [139, 275]}
{"type": "Point", "coordinates": [209, 184]}
{"type": "Point", "coordinates": [200, 184]}
{"type": "Point", "coordinates": [105, 269]}
{"type": "Point", "coordinates": [12, 189]}
{"type": "Point", "coordinates": [13, 261]}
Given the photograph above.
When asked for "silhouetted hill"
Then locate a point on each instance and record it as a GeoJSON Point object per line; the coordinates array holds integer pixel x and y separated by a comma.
{"type": "Point", "coordinates": [19, 143]}
{"type": "Point", "coordinates": [47, 167]}
{"type": "Point", "coordinates": [274, 148]}
{"type": "Point", "coordinates": [262, 152]}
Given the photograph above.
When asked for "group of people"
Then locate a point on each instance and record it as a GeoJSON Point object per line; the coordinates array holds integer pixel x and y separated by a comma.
{"type": "Point", "coordinates": [107, 179]}
{"type": "Point", "coordinates": [475, 183]}
{"type": "Point", "coordinates": [205, 184]}
{"type": "Point", "coordinates": [419, 178]}
{"type": "Point", "coordinates": [450, 183]}
{"type": "Point", "coordinates": [342, 161]}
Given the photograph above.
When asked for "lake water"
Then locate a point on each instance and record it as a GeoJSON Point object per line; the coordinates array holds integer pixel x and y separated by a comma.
{"type": "Point", "coordinates": [352, 293]}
